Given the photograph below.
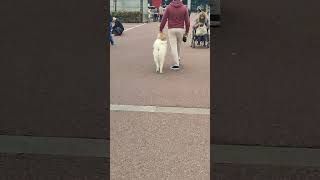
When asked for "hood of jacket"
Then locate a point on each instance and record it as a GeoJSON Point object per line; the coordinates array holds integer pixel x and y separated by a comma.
{"type": "Point", "coordinates": [176, 3]}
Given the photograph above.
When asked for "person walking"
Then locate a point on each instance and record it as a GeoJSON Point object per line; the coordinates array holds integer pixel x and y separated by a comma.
{"type": "Point", "coordinates": [178, 19]}
{"type": "Point", "coordinates": [118, 28]}
{"type": "Point", "coordinates": [110, 30]}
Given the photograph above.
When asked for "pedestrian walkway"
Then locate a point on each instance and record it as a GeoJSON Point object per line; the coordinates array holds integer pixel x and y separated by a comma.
{"type": "Point", "coordinates": [159, 122]}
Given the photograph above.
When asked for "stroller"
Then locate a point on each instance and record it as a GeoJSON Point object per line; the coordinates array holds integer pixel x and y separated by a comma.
{"type": "Point", "coordinates": [197, 40]}
{"type": "Point", "coordinates": [200, 32]}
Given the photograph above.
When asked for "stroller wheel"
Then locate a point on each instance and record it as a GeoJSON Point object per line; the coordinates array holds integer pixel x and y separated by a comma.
{"type": "Point", "coordinates": [193, 45]}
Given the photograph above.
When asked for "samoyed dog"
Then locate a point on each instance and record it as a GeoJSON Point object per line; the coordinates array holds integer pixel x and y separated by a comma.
{"type": "Point", "coordinates": [159, 51]}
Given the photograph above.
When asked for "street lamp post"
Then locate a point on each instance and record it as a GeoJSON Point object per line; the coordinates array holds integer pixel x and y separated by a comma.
{"type": "Point", "coordinates": [115, 5]}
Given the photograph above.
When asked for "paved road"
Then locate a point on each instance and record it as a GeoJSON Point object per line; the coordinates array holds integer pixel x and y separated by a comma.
{"type": "Point", "coordinates": [158, 145]}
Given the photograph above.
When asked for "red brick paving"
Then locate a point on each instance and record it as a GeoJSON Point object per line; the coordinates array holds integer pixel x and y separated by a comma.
{"type": "Point", "coordinates": [157, 145]}
{"type": "Point", "coordinates": [134, 81]}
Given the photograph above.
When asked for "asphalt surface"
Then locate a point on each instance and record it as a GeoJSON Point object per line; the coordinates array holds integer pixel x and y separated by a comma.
{"type": "Point", "coordinates": [157, 145]}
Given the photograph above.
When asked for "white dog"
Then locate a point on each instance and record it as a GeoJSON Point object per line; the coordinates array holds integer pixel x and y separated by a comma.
{"type": "Point", "coordinates": [159, 51]}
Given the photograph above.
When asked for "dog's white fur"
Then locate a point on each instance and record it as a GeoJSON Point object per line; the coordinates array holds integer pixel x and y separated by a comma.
{"type": "Point", "coordinates": [159, 51]}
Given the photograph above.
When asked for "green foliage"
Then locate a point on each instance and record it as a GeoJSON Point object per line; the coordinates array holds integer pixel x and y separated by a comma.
{"type": "Point", "coordinates": [128, 17]}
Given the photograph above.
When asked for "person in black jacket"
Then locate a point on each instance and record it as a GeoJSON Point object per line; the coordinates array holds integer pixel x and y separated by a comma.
{"type": "Point", "coordinates": [118, 28]}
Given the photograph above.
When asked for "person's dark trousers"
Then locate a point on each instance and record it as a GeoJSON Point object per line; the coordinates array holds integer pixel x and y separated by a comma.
{"type": "Point", "coordinates": [155, 18]}
{"type": "Point", "coordinates": [117, 31]}
{"type": "Point", "coordinates": [202, 39]}
{"type": "Point", "coordinates": [160, 18]}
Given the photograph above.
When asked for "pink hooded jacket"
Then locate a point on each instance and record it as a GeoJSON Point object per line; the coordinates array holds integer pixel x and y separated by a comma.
{"type": "Point", "coordinates": [177, 16]}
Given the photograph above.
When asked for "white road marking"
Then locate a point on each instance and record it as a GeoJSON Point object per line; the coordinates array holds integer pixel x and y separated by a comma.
{"type": "Point", "coordinates": [134, 27]}
{"type": "Point", "coordinates": [157, 109]}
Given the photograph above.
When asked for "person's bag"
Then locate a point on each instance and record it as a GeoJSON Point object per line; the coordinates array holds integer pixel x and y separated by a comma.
{"type": "Point", "coordinates": [201, 31]}
{"type": "Point", "coordinates": [184, 39]}
{"type": "Point", "coordinates": [118, 31]}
